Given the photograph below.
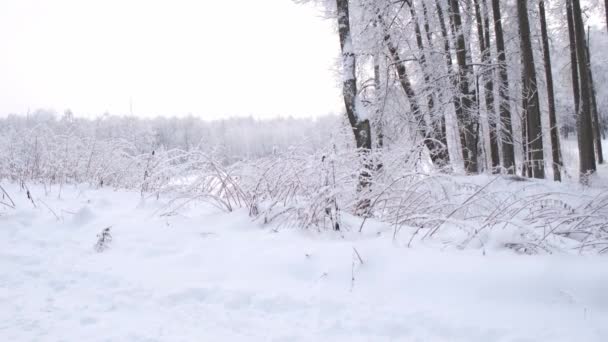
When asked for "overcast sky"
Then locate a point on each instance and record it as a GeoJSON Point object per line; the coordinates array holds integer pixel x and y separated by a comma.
{"type": "Point", "coordinates": [211, 58]}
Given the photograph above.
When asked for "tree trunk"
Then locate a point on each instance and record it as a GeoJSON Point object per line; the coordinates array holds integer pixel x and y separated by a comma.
{"type": "Point", "coordinates": [484, 48]}
{"type": "Point", "coordinates": [555, 146]}
{"type": "Point", "coordinates": [489, 86]}
{"type": "Point", "coordinates": [584, 125]}
{"type": "Point", "coordinates": [361, 128]}
{"type": "Point", "coordinates": [379, 110]}
{"type": "Point", "coordinates": [525, 165]}
{"type": "Point", "coordinates": [595, 119]}
{"type": "Point", "coordinates": [606, 9]}
{"type": "Point", "coordinates": [427, 28]}
{"type": "Point", "coordinates": [468, 121]}
{"type": "Point", "coordinates": [573, 59]}
{"type": "Point", "coordinates": [503, 91]}
{"type": "Point", "coordinates": [378, 98]}
{"type": "Point", "coordinates": [531, 103]}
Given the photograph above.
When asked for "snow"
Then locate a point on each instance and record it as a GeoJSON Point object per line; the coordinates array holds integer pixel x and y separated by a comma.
{"type": "Point", "coordinates": [206, 275]}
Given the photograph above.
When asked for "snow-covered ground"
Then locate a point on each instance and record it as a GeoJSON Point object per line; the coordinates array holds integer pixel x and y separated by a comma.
{"type": "Point", "coordinates": [204, 275]}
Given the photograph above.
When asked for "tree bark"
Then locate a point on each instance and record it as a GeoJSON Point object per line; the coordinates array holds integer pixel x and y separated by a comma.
{"type": "Point", "coordinates": [531, 103]}
{"type": "Point", "coordinates": [583, 122]}
{"type": "Point", "coordinates": [555, 145]}
{"type": "Point", "coordinates": [508, 151]}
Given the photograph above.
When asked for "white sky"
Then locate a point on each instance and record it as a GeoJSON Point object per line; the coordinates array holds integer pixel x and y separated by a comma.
{"type": "Point", "coordinates": [211, 58]}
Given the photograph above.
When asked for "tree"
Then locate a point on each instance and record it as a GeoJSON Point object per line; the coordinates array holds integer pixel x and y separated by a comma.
{"type": "Point", "coordinates": [483, 34]}
{"type": "Point", "coordinates": [606, 9]}
{"type": "Point", "coordinates": [531, 104]}
{"type": "Point", "coordinates": [595, 117]}
{"type": "Point", "coordinates": [434, 131]}
{"type": "Point", "coordinates": [468, 121]}
{"type": "Point", "coordinates": [437, 118]}
{"type": "Point", "coordinates": [573, 58]}
{"type": "Point", "coordinates": [555, 146]}
{"type": "Point", "coordinates": [360, 125]}
{"type": "Point", "coordinates": [508, 153]}
{"type": "Point", "coordinates": [587, 164]}
{"type": "Point", "coordinates": [450, 72]}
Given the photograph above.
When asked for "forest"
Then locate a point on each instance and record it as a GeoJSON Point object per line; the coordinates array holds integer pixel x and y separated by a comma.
{"type": "Point", "coordinates": [432, 89]}
{"type": "Point", "coordinates": [472, 136]}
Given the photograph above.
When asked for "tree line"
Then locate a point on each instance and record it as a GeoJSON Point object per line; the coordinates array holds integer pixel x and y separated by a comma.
{"type": "Point", "coordinates": [470, 80]}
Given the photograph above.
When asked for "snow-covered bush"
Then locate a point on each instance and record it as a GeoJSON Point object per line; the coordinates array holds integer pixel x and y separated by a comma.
{"type": "Point", "coordinates": [103, 240]}
{"type": "Point", "coordinates": [313, 184]}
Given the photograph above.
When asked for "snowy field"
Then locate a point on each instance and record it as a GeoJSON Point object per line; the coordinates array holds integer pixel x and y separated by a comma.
{"type": "Point", "coordinates": [205, 275]}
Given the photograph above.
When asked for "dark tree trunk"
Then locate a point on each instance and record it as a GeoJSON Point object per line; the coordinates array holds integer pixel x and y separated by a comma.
{"type": "Point", "coordinates": [606, 9]}
{"type": "Point", "coordinates": [468, 121]}
{"type": "Point", "coordinates": [427, 27]}
{"type": "Point", "coordinates": [573, 59]}
{"type": "Point", "coordinates": [379, 113]}
{"type": "Point", "coordinates": [531, 103]}
{"type": "Point", "coordinates": [597, 135]}
{"type": "Point", "coordinates": [525, 165]}
{"type": "Point", "coordinates": [484, 48]}
{"type": "Point", "coordinates": [503, 91]}
{"type": "Point", "coordinates": [361, 128]}
{"type": "Point", "coordinates": [422, 57]}
{"type": "Point", "coordinates": [555, 146]}
{"type": "Point", "coordinates": [584, 125]}
{"type": "Point", "coordinates": [378, 97]}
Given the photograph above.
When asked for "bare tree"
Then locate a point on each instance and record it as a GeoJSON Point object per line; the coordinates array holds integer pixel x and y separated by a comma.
{"type": "Point", "coordinates": [360, 126]}
{"type": "Point", "coordinates": [531, 104]}
{"type": "Point", "coordinates": [450, 72]}
{"type": "Point", "coordinates": [595, 117]}
{"type": "Point", "coordinates": [584, 125]}
{"type": "Point", "coordinates": [483, 34]}
{"type": "Point", "coordinates": [434, 132]}
{"type": "Point", "coordinates": [468, 121]}
{"type": "Point", "coordinates": [508, 152]}
{"type": "Point", "coordinates": [554, 129]}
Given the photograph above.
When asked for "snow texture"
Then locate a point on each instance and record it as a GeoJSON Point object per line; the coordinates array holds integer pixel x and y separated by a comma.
{"type": "Point", "coordinates": [204, 275]}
